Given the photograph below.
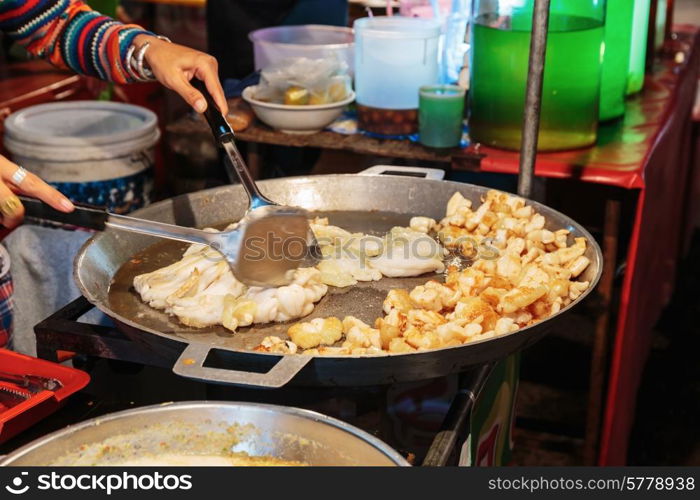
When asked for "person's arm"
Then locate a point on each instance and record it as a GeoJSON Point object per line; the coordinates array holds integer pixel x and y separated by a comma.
{"type": "Point", "coordinates": [71, 35]}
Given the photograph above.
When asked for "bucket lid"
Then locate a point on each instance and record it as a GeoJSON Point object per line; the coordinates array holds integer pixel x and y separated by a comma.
{"type": "Point", "coordinates": [304, 36]}
{"type": "Point", "coordinates": [396, 27]}
{"type": "Point", "coordinates": [80, 124]}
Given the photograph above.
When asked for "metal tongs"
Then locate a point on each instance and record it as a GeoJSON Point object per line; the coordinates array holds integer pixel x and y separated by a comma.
{"type": "Point", "coordinates": [33, 383]}
{"type": "Point", "coordinates": [15, 389]}
{"type": "Point", "coordinates": [268, 242]}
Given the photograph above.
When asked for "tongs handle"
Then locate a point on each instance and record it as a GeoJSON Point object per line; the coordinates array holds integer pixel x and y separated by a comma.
{"type": "Point", "coordinates": [99, 219]}
{"type": "Point", "coordinates": [83, 215]}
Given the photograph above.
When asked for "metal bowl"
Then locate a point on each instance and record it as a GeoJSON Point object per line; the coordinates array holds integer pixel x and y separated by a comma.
{"type": "Point", "coordinates": [290, 434]}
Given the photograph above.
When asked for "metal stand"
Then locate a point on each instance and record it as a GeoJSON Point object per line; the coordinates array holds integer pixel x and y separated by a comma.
{"type": "Point", "coordinates": [63, 332]}
{"type": "Point", "coordinates": [445, 448]}
{"type": "Point", "coordinates": [533, 97]}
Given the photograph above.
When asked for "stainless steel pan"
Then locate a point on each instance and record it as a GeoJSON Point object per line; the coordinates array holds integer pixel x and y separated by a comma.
{"type": "Point", "coordinates": [205, 428]}
{"type": "Point", "coordinates": [370, 203]}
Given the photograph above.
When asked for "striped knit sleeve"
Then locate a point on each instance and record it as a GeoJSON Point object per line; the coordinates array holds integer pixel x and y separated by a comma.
{"type": "Point", "coordinates": [71, 35]}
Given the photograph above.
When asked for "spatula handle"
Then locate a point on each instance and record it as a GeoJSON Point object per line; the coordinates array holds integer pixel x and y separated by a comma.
{"type": "Point", "coordinates": [223, 133]}
{"type": "Point", "coordinates": [219, 126]}
{"type": "Point", "coordinates": [83, 215]}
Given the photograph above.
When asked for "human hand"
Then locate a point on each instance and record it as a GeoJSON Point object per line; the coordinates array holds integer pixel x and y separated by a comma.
{"type": "Point", "coordinates": [15, 180]}
{"type": "Point", "coordinates": [175, 65]}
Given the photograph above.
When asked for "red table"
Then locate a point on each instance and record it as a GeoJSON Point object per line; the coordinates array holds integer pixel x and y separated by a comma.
{"type": "Point", "coordinates": [651, 154]}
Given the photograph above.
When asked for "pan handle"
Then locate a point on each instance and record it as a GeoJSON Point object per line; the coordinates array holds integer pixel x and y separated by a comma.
{"type": "Point", "coordinates": [426, 173]}
{"type": "Point", "coordinates": [190, 364]}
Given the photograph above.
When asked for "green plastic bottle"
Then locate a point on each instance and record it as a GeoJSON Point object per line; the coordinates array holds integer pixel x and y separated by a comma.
{"type": "Point", "coordinates": [500, 46]}
{"type": "Point", "coordinates": [616, 58]}
{"type": "Point", "coordinates": [638, 47]}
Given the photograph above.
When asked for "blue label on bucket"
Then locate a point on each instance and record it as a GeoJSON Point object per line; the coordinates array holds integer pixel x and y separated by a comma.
{"type": "Point", "coordinates": [120, 195]}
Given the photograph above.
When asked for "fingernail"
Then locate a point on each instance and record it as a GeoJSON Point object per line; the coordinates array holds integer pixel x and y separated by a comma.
{"type": "Point", "coordinates": [200, 105]}
{"type": "Point", "coordinates": [66, 203]}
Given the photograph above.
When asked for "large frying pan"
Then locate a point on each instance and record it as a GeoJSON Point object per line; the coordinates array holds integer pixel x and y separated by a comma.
{"type": "Point", "coordinates": [370, 203]}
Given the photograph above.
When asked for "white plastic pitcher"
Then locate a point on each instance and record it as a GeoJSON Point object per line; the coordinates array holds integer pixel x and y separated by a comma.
{"type": "Point", "coordinates": [394, 57]}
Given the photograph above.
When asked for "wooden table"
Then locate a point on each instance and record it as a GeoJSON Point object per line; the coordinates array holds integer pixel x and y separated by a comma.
{"type": "Point", "coordinates": [187, 134]}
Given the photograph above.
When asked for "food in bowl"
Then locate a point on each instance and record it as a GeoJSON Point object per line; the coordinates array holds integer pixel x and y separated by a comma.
{"type": "Point", "coordinates": [301, 81]}
{"type": "Point", "coordinates": [503, 271]}
{"type": "Point", "coordinates": [296, 118]}
{"type": "Point", "coordinates": [295, 95]}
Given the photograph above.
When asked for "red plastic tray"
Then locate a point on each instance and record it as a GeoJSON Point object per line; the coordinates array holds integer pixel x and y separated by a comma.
{"type": "Point", "coordinates": [18, 418]}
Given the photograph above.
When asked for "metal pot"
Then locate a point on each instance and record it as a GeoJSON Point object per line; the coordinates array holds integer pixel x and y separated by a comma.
{"type": "Point", "coordinates": [290, 434]}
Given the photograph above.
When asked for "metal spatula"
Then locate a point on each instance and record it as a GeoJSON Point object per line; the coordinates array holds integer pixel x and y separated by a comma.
{"type": "Point", "coordinates": [285, 230]}
{"type": "Point", "coordinates": [254, 257]}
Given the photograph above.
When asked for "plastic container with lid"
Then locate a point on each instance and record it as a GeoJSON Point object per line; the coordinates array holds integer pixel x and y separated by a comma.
{"type": "Point", "coordinates": [394, 57]}
{"type": "Point", "coordinates": [94, 152]}
{"type": "Point", "coordinates": [276, 44]}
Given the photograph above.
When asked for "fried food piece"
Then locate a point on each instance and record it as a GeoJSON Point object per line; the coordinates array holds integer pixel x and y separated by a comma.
{"type": "Point", "coordinates": [238, 312]}
{"type": "Point", "coordinates": [390, 327]}
{"type": "Point", "coordinates": [276, 345]}
{"type": "Point", "coordinates": [434, 296]}
{"type": "Point", "coordinates": [519, 298]}
{"type": "Point", "coordinates": [319, 331]}
{"type": "Point", "coordinates": [399, 299]}
{"type": "Point", "coordinates": [400, 346]}
{"type": "Point", "coordinates": [422, 224]}
{"type": "Point", "coordinates": [476, 310]}
{"type": "Point", "coordinates": [424, 320]}
{"type": "Point", "coordinates": [358, 334]}
{"type": "Point", "coordinates": [421, 339]}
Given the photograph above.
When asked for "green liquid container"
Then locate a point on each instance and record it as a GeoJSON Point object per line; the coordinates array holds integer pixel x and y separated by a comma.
{"type": "Point", "coordinates": [616, 58]}
{"type": "Point", "coordinates": [500, 46]}
{"type": "Point", "coordinates": [638, 47]}
{"type": "Point", "coordinates": [440, 115]}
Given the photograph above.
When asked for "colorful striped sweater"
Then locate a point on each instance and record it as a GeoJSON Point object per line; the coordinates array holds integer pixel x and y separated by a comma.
{"type": "Point", "coordinates": [71, 35]}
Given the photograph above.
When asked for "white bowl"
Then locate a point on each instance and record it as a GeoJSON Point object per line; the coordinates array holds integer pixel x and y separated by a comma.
{"type": "Point", "coordinates": [305, 119]}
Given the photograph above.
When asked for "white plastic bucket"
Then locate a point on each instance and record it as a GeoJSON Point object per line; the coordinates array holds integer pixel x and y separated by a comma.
{"type": "Point", "coordinates": [94, 152]}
